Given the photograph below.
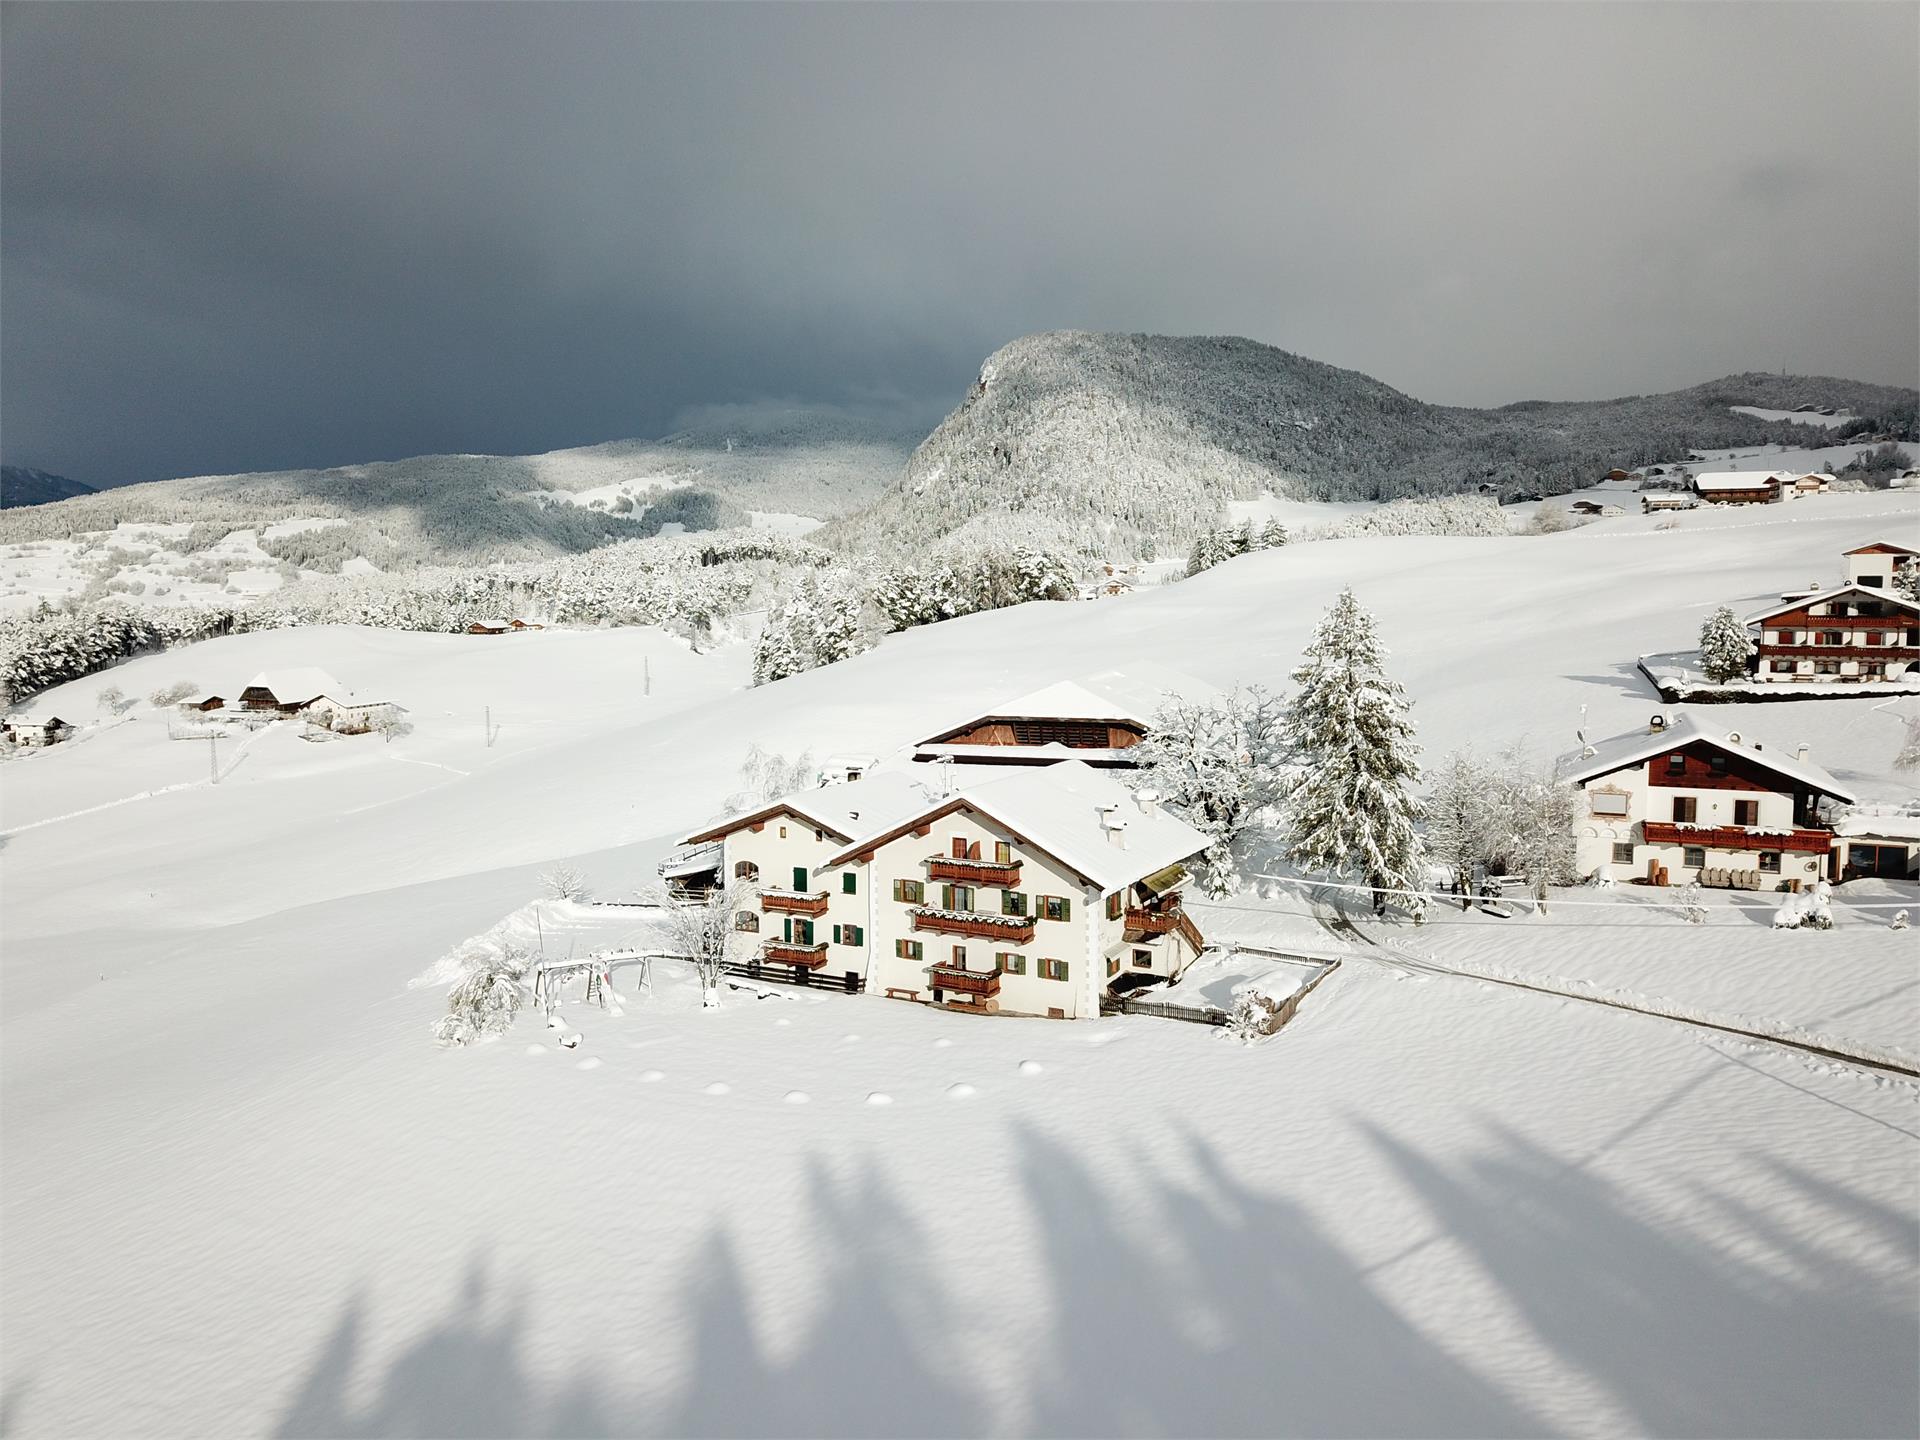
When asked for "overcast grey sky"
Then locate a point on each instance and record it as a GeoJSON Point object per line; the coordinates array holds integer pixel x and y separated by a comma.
{"type": "Point", "coordinates": [238, 237]}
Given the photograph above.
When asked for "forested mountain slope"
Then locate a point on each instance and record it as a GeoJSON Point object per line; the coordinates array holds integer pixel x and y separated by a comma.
{"type": "Point", "coordinates": [1107, 442]}
{"type": "Point", "coordinates": [21, 486]}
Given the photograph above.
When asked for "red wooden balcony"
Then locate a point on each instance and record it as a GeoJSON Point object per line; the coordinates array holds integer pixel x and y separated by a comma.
{"type": "Point", "coordinates": [792, 952]}
{"type": "Point", "coordinates": [1015, 929]}
{"type": "Point", "coordinates": [1004, 873]}
{"type": "Point", "coordinates": [1162, 920]}
{"type": "Point", "coordinates": [1838, 652]}
{"type": "Point", "coordinates": [795, 902]}
{"type": "Point", "coordinates": [1738, 837]}
{"type": "Point", "coordinates": [959, 980]}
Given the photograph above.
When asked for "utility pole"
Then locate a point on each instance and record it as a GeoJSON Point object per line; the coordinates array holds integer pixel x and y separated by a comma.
{"type": "Point", "coordinates": [213, 759]}
{"type": "Point", "coordinates": [646, 675]}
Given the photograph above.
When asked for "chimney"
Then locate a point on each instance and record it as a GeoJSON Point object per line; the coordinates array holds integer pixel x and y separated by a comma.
{"type": "Point", "coordinates": [1148, 801]}
{"type": "Point", "coordinates": [1115, 827]}
{"type": "Point", "coordinates": [1656, 724]}
{"type": "Point", "coordinates": [1803, 753]}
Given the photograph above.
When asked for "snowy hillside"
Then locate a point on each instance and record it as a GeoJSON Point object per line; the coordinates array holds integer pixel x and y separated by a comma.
{"type": "Point", "coordinates": [1428, 1206]}
{"type": "Point", "coordinates": [1110, 444]}
{"type": "Point", "coordinates": [784, 460]}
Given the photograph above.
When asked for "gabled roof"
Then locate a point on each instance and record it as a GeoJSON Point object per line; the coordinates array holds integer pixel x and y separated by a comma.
{"type": "Point", "coordinates": [1063, 810]}
{"type": "Point", "coordinates": [1880, 547]}
{"type": "Point", "coordinates": [1821, 596]}
{"type": "Point", "coordinates": [843, 810]}
{"type": "Point", "coordinates": [1130, 696]}
{"type": "Point", "coordinates": [1739, 479]}
{"type": "Point", "coordinates": [1610, 756]}
{"type": "Point", "coordinates": [303, 683]}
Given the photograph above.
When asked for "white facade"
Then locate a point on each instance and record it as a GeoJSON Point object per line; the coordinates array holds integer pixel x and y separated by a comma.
{"type": "Point", "coordinates": [1875, 566]}
{"type": "Point", "coordinates": [951, 902]}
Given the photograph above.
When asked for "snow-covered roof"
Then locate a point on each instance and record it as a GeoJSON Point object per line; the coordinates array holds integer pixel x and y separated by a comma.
{"type": "Point", "coordinates": [1131, 695]}
{"type": "Point", "coordinates": [1065, 810]}
{"type": "Point", "coordinates": [1879, 827]}
{"type": "Point", "coordinates": [1819, 597]}
{"type": "Point", "coordinates": [878, 798]}
{"type": "Point", "coordinates": [301, 683]}
{"type": "Point", "coordinates": [1738, 479]}
{"type": "Point", "coordinates": [1609, 756]}
{"type": "Point", "coordinates": [1879, 547]}
{"type": "Point", "coordinates": [1050, 753]}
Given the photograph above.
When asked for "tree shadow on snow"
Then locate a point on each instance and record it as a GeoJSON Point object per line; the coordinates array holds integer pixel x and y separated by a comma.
{"type": "Point", "coordinates": [1229, 1311]}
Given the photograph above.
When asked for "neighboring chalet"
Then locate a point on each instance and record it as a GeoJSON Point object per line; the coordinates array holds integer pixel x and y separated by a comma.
{"type": "Point", "coordinates": [34, 732]}
{"type": "Point", "coordinates": [1096, 719]}
{"type": "Point", "coordinates": [1852, 633]}
{"type": "Point", "coordinates": [1679, 800]}
{"type": "Point", "coordinates": [1031, 892]}
{"type": "Point", "coordinates": [1877, 564]}
{"type": "Point", "coordinates": [502, 627]}
{"type": "Point", "coordinates": [1818, 483]}
{"type": "Point", "coordinates": [1742, 487]}
{"type": "Point", "coordinates": [1884, 847]}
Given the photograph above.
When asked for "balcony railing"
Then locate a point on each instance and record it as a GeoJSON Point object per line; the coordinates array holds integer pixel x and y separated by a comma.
{"type": "Point", "coordinates": [974, 872]}
{"type": "Point", "coordinates": [1017, 929]}
{"type": "Point", "coordinates": [1737, 837]}
{"type": "Point", "coordinates": [795, 902]}
{"type": "Point", "coordinates": [962, 981]}
{"type": "Point", "coordinates": [792, 952]}
{"type": "Point", "coordinates": [1161, 921]}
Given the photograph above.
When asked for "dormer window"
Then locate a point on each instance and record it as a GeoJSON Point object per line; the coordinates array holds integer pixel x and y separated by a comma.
{"type": "Point", "coordinates": [1676, 764]}
{"type": "Point", "coordinates": [1718, 764]}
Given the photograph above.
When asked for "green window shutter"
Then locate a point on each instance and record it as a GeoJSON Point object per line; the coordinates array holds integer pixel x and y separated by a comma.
{"type": "Point", "coordinates": [1066, 913]}
{"type": "Point", "coordinates": [1012, 902]}
{"type": "Point", "coordinates": [800, 877]}
{"type": "Point", "coordinates": [859, 936]}
{"type": "Point", "coordinates": [946, 897]}
{"type": "Point", "coordinates": [836, 934]}
{"type": "Point", "coordinates": [849, 883]}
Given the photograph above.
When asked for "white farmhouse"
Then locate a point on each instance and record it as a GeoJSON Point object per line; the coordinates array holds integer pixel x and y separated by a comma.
{"type": "Point", "coordinates": [1680, 802]}
{"type": "Point", "coordinates": [1875, 565]}
{"type": "Point", "coordinates": [1028, 892]}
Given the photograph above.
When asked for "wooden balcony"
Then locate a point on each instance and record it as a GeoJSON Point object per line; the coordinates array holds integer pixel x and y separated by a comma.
{"type": "Point", "coordinates": [958, 980]}
{"type": "Point", "coordinates": [794, 902]}
{"type": "Point", "coordinates": [1012, 929]}
{"type": "Point", "coordinates": [1837, 652]}
{"type": "Point", "coordinates": [974, 872]}
{"type": "Point", "coordinates": [792, 952]}
{"type": "Point", "coordinates": [1738, 837]}
{"type": "Point", "coordinates": [1162, 920]}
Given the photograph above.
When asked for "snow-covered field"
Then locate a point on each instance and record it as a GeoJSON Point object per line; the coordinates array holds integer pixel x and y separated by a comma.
{"type": "Point", "coordinates": [1798, 417]}
{"type": "Point", "coordinates": [244, 1193]}
{"type": "Point", "coordinates": [138, 562]}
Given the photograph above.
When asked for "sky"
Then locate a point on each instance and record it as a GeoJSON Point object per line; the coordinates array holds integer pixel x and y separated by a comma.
{"type": "Point", "coordinates": [238, 237]}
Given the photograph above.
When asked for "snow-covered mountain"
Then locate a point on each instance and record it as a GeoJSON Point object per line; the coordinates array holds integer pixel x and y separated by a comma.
{"type": "Point", "coordinates": [729, 465]}
{"type": "Point", "coordinates": [1106, 442]}
{"type": "Point", "coordinates": [22, 486]}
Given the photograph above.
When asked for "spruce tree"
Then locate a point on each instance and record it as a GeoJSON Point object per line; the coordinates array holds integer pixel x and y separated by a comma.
{"type": "Point", "coordinates": [1724, 647]}
{"type": "Point", "coordinates": [1351, 810]}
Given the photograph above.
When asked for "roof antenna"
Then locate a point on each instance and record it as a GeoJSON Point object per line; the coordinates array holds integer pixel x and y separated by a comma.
{"type": "Point", "coordinates": [943, 767]}
{"type": "Point", "coordinates": [1580, 730]}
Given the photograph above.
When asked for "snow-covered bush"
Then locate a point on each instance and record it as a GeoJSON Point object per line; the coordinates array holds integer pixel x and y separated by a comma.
{"type": "Point", "coordinates": [1254, 1017]}
{"type": "Point", "coordinates": [766, 776]}
{"type": "Point", "coordinates": [707, 935]}
{"type": "Point", "coordinates": [172, 694]}
{"type": "Point", "coordinates": [485, 1000]}
{"type": "Point", "coordinates": [1350, 807]}
{"type": "Point", "coordinates": [1537, 811]}
{"type": "Point", "coordinates": [1908, 758]}
{"type": "Point", "coordinates": [1219, 764]}
{"type": "Point", "coordinates": [1551, 520]}
{"type": "Point", "coordinates": [111, 700]}
{"type": "Point", "coordinates": [1724, 646]}
{"type": "Point", "coordinates": [1463, 821]}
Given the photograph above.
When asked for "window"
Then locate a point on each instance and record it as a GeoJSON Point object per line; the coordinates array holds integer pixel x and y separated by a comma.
{"type": "Point", "coordinates": [1053, 969]}
{"type": "Point", "coordinates": [783, 832]}
{"type": "Point", "coordinates": [745, 870]}
{"type": "Point", "coordinates": [849, 935]}
{"type": "Point", "coordinates": [960, 956]}
{"type": "Point", "coordinates": [1609, 802]}
{"type": "Point", "coordinates": [1746, 812]}
{"type": "Point", "coordinates": [1623, 852]}
{"type": "Point", "coordinates": [849, 884]}
{"type": "Point", "coordinates": [1782, 667]}
{"type": "Point", "coordinates": [1826, 667]}
{"type": "Point", "coordinates": [1684, 807]}
{"type": "Point", "coordinates": [1693, 856]}
{"type": "Point", "coordinates": [1143, 959]}
{"type": "Point", "coordinates": [800, 880]}
{"type": "Point", "coordinates": [746, 920]}
{"type": "Point", "coordinates": [1876, 581]}
{"type": "Point", "coordinates": [1717, 763]}
{"type": "Point", "coordinates": [956, 897]}
{"type": "Point", "coordinates": [1007, 963]}
{"type": "Point", "coordinates": [907, 949]}
{"type": "Point", "coordinates": [909, 892]}
{"type": "Point", "coordinates": [1002, 853]}
{"type": "Point", "coordinates": [1013, 902]}
{"type": "Point", "coordinates": [1116, 904]}
{"type": "Point", "coordinates": [1830, 637]}
{"type": "Point", "coordinates": [1676, 764]}
{"type": "Point", "coordinates": [1053, 907]}
{"type": "Point", "coordinates": [1770, 860]}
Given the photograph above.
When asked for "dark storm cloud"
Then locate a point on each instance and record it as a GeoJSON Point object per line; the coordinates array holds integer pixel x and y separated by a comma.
{"type": "Point", "coordinates": [244, 237]}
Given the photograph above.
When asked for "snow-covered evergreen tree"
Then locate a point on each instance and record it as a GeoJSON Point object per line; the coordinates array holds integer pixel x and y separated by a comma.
{"type": "Point", "coordinates": [1273, 536]}
{"type": "Point", "coordinates": [1463, 825]}
{"type": "Point", "coordinates": [1219, 764]}
{"type": "Point", "coordinates": [1909, 756]}
{"type": "Point", "coordinates": [1350, 808]}
{"type": "Point", "coordinates": [1724, 647]}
